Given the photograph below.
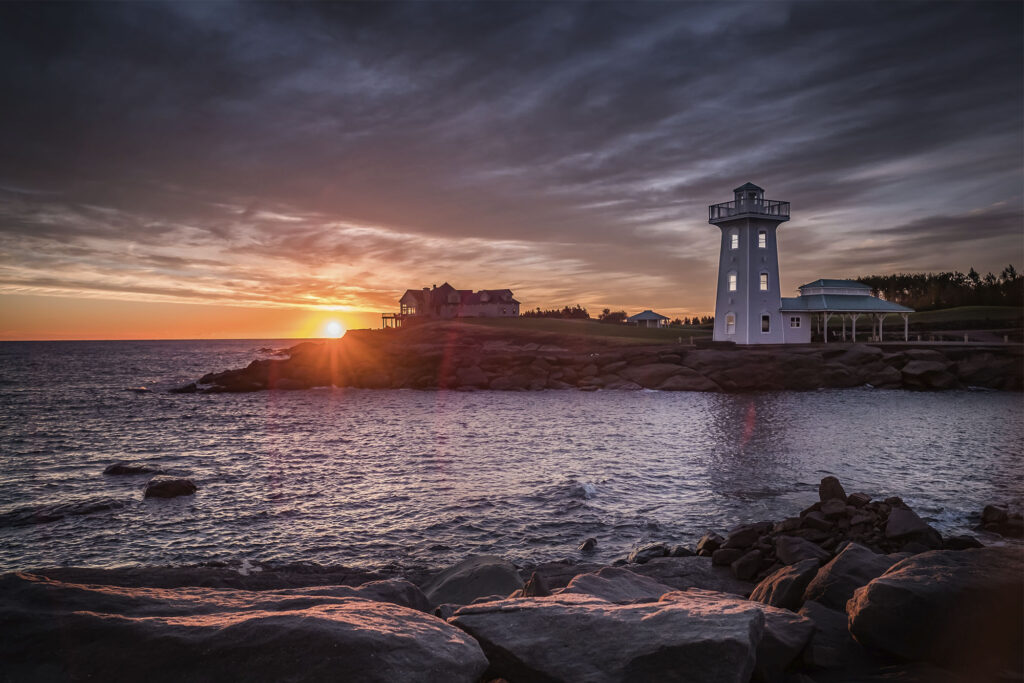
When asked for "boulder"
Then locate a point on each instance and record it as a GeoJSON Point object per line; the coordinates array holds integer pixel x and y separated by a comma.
{"type": "Point", "coordinates": [169, 488]}
{"type": "Point", "coordinates": [61, 631]}
{"type": "Point", "coordinates": [785, 587]}
{"type": "Point", "coordinates": [651, 375]}
{"type": "Point", "coordinates": [534, 587]}
{"type": "Point", "coordinates": [617, 585]}
{"type": "Point", "coordinates": [904, 522]}
{"type": "Point", "coordinates": [709, 543]}
{"type": "Point", "coordinates": [125, 468]}
{"type": "Point", "coordinates": [858, 500]}
{"type": "Point", "coordinates": [647, 552]}
{"type": "Point", "coordinates": [817, 520]}
{"type": "Point", "coordinates": [926, 374]}
{"type": "Point", "coordinates": [746, 567]}
{"type": "Point", "coordinates": [680, 551]}
{"type": "Point", "coordinates": [793, 549]}
{"type": "Point", "coordinates": [726, 556]}
{"type": "Point", "coordinates": [687, 638]}
{"type": "Point", "coordinates": [559, 573]}
{"type": "Point", "coordinates": [849, 570]}
{"type": "Point", "coordinates": [961, 542]}
{"type": "Point", "coordinates": [472, 377]}
{"type": "Point", "coordinates": [832, 508]}
{"type": "Point", "coordinates": [994, 514]}
{"type": "Point", "coordinates": [686, 379]}
{"type": "Point", "coordinates": [587, 545]}
{"type": "Point", "coordinates": [693, 572]}
{"type": "Point", "coordinates": [785, 633]}
{"type": "Point", "coordinates": [963, 609]}
{"type": "Point", "coordinates": [831, 488]}
{"type": "Point", "coordinates": [831, 645]}
{"type": "Point", "coordinates": [473, 578]}
{"type": "Point", "coordinates": [746, 535]}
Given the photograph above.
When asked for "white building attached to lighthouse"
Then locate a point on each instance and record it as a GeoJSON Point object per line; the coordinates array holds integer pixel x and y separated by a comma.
{"type": "Point", "coordinates": [749, 308]}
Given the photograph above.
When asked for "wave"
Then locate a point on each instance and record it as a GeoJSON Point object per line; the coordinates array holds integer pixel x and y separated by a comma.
{"type": "Point", "coordinates": [43, 514]}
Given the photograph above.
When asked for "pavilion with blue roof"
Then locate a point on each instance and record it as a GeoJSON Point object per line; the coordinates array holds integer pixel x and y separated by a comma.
{"type": "Point", "coordinates": [848, 299]}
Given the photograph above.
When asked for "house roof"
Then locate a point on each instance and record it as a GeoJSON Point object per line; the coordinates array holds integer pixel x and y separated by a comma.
{"type": "Point", "coordinates": [841, 303]}
{"type": "Point", "coordinates": [439, 296]}
{"type": "Point", "coordinates": [646, 315]}
{"type": "Point", "coordinates": [748, 186]}
{"type": "Point", "coordinates": [844, 284]}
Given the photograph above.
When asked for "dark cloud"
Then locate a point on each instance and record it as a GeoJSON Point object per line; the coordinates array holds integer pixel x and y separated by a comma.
{"type": "Point", "coordinates": [570, 149]}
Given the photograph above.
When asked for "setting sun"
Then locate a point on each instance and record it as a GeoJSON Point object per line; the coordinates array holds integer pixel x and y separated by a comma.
{"type": "Point", "coordinates": [335, 329]}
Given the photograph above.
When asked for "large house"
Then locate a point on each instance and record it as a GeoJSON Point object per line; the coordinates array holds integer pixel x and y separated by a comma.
{"type": "Point", "coordinates": [749, 308]}
{"type": "Point", "coordinates": [446, 302]}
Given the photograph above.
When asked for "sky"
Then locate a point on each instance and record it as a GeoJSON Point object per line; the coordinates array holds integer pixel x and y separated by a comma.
{"type": "Point", "coordinates": [207, 169]}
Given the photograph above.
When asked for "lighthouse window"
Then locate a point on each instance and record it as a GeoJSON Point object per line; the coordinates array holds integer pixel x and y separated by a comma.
{"type": "Point", "coordinates": [762, 239]}
{"type": "Point", "coordinates": [730, 323]}
{"type": "Point", "coordinates": [732, 282]}
{"type": "Point", "coordinates": [765, 323]}
{"type": "Point", "coordinates": [734, 241]}
{"type": "Point", "coordinates": [764, 282]}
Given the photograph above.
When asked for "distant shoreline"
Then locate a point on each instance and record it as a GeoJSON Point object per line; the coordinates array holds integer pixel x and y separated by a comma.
{"type": "Point", "coordinates": [468, 357]}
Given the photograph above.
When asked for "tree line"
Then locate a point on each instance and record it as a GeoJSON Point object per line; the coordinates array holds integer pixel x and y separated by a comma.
{"type": "Point", "coordinates": [929, 291]}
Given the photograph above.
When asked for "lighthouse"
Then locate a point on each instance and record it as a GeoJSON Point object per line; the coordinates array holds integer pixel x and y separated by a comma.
{"type": "Point", "coordinates": [747, 308]}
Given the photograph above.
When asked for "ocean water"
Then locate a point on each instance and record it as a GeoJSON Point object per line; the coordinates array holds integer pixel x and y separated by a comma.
{"type": "Point", "coordinates": [415, 479]}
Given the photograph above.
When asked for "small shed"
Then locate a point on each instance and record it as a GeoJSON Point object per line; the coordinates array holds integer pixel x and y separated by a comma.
{"type": "Point", "coordinates": [647, 318]}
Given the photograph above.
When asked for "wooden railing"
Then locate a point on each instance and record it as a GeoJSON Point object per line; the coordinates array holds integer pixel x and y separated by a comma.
{"type": "Point", "coordinates": [756, 207]}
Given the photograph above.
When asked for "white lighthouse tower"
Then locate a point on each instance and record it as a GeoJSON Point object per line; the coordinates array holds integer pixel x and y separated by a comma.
{"type": "Point", "coordinates": [747, 310]}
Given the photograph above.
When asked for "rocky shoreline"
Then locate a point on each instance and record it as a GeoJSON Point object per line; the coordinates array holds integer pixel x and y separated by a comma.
{"type": "Point", "coordinates": [468, 357]}
{"type": "Point", "coordinates": [848, 589]}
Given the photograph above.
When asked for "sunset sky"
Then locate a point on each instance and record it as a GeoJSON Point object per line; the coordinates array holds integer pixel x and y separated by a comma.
{"type": "Point", "coordinates": [202, 169]}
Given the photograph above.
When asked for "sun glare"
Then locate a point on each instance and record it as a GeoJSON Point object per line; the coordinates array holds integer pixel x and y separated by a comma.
{"type": "Point", "coordinates": [335, 329]}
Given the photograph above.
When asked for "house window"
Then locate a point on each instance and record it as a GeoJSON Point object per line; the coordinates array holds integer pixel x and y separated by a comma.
{"type": "Point", "coordinates": [732, 282]}
{"type": "Point", "coordinates": [734, 241]}
{"type": "Point", "coordinates": [794, 321]}
{"type": "Point", "coordinates": [766, 323]}
{"type": "Point", "coordinates": [762, 239]}
{"type": "Point", "coordinates": [730, 323]}
{"type": "Point", "coordinates": [764, 282]}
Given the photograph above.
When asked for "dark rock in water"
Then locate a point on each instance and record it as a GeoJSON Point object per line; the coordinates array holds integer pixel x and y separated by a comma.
{"type": "Point", "coordinates": [792, 549]}
{"type": "Point", "coordinates": [205, 634]}
{"type": "Point", "coordinates": [785, 587]}
{"type": "Point", "coordinates": [683, 573]}
{"type": "Point", "coordinates": [831, 488]}
{"type": "Point", "coordinates": [724, 557]}
{"type": "Point", "coordinates": [904, 522]}
{"type": "Point", "coordinates": [963, 609]}
{"type": "Point", "coordinates": [526, 639]}
{"type": "Point", "coordinates": [169, 488]}
{"type": "Point", "coordinates": [189, 388]}
{"type": "Point", "coordinates": [680, 551]}
{"type": "Point", "coordinates": [588, 545]}
{"type": "Point", "coordinates": [848, 571]}
{"type": "Point", "coordinates": [788, 524]}
{"type": "Point", "coordinates": [709, 543]}
{"type": "Point", "coordinates": [994, 514]}
{"type": "Point", "coordinates": [746, 567]}
{"type": "Point", "coordinates": [473, 578]}
{"type": "Point", "coordinates": [122, 467]}
{"type": "Point", "coordinates": [558, 574]}
{"type": "Point", "coordinates": [617, 585]}
{"type": "Point", "coordinates": [646, 553]}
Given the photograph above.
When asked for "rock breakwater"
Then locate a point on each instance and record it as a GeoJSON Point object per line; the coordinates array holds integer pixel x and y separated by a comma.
{"type": "Point", "coordinates": [856, 605]}
{"type": "Point", "coordinates": [467, 357]}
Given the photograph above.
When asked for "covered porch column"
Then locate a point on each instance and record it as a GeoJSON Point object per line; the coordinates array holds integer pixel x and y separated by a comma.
{"type": "Point", "coordinates": [906, 326]}
{"type": "Point", "coordinates": [826, 315]}
{"type": "Point", "coordinates": [844, 326]}
{"type": "Point", "coordinates": [881, 322]}
{"type": "Point", "coordinates": [853, 318]}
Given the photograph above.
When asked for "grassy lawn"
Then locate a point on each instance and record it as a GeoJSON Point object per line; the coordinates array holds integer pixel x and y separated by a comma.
{"type": "Point", "coordinates": [998, 316]}
{"type": "Point", "coordinates": [592, 328]}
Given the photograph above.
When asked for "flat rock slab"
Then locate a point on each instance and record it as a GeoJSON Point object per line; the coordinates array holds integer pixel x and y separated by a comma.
{"type": "Point", "coordinates": [474, 577]}
{"type": "Point", "coordinates": [960, 608]}
{"type": "Point", "coordinates": [581, 638]}
{"type": "Point", "coordinates": [55, 630]}
{"type": "Point", "coordinates": [619, 586]}
{"type": "Point", "coordinates": [693, 572]}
